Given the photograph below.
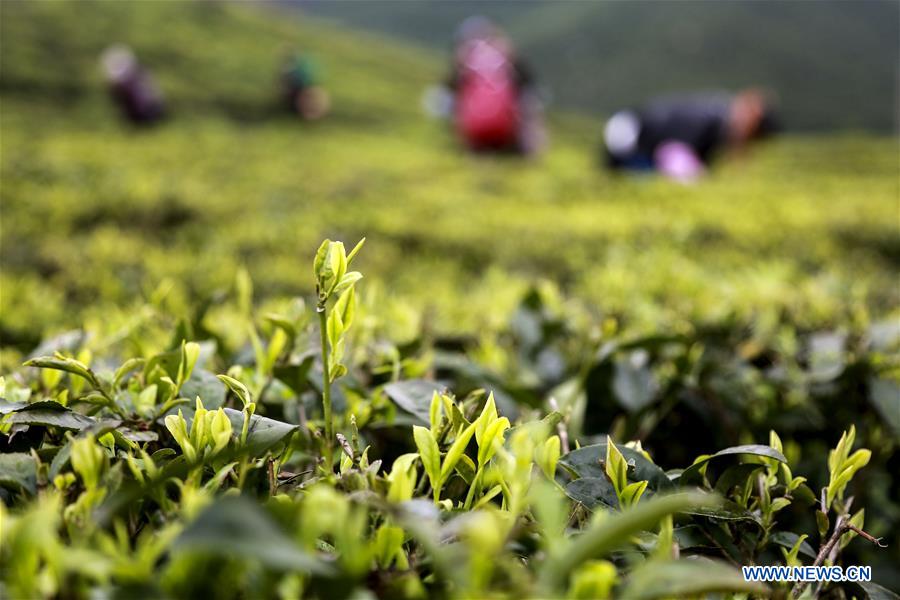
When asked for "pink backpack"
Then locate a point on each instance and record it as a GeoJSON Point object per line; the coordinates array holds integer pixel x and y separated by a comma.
{"type": "Point", "coordinates": [487, 107]}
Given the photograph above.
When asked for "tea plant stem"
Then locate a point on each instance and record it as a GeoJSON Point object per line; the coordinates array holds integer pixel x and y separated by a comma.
{"type": "Point", "coordinates": [271, 475]}
{"type": "Point", "coordinates": [326, 387]}
{"type": "Point", "coordinates": [242, 473]}
{"type": "Point", "coordinates": [840, 528]}
{"type": "Point", "coordinates": [476, 485]}
{"type": "Point", "coordinates": [877, 541]}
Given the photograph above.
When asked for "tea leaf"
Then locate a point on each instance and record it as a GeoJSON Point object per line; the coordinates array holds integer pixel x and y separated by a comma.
{"type": "Point", "coordinates": [429, 453]}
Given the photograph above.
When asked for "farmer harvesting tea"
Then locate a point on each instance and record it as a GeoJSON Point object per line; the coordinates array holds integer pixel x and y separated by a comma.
{"type": "Point", "coordinates": [679, 136]}
{"type": "Point", "coordinates": [495, 105]}
{"type": "Point", "coordinates": [302, 91]}
{"type": "Point", "coordinates": [132, 87]}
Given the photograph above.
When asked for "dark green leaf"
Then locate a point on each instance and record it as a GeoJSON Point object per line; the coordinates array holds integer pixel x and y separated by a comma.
{"type": "Point", "coordinates": [139, 436]}
{"type": "Point", "coordinates": [873, 591]}
{"type": "Point", "coordinates": [693, 474]}
{"type": "Point", "coordinates": [206, 385]}
{"type": "Point", "coordinates": [585, 462]}
{"type": "Point", "coordinates": [126, 367]}
{"type": "Point", "coordinates": [162, 454]}
{"type": "Point", "coordinates": [686, 578]}
{"type": "Point", "coordinates": [18, 470]}
{"type": "Point", "coordinates": [8, 407]}
{"type": "Point", "coordinates": [616, 530]}
{"type": "Point", "coordinates": [264, 433]}
{"type": "Point", "coordinates": [804, 495]}
{"type": "Point", "coordinates": [50, 414]}
{"type": "Point", "coordinates": [789, 538]}
{"type": "Point", "coordinates": [413, 396]}
{"type": "Point", "coordinates": [692, 536]}
{"type": "Point", "coordinates": [61, 459]}
{"type": "Point", "coordinates": [167, 362]}
{"type": "Point", "coordinates": [238, 528]}
{"type": "Point", "coordinates": [754, 449]}
{"type": "Point", "coordinates": [736, 476]}
{"type": "Point", "coordinates": [593, 492]}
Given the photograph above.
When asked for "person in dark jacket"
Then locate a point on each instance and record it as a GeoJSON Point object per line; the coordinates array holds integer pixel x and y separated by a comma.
{"type": "Point", "coordinates": [132, 87]}
{"type": "Point", "coordinates": [680, 136]}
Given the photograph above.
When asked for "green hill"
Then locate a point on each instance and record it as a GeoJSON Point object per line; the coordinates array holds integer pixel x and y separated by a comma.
{"type": "Point", "coordinates": [834, 64]}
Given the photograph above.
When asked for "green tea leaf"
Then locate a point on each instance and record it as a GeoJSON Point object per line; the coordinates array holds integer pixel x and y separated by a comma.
{"type": "Point", "coordinates": [414, 396]}
{"type": "Point", "coordinates": [616, 468]}
{"type": "Point", "coordinates": [238, 528]}
{"type": "Point", "coordinates": [263, 433]}
{"type": "Point", "coordinates": [586, 462]}
{"type": "Point", "coordinates": [50, 414]}
{"type": "Point", "coordinates": [492, 437]}
{"type": "Point", "coordinates": [633, 492]}
{"type": "Point", "coordinates": [429, 453]}
{"type": "Point", "coordinates": [355, 250]}
{"type": "Point", "coordinates": [693, 474]}
{"type": "Point", "coordinates": [190, 352]}
{"type": "Point", "coordinates": [18, 470]}
{"type": "Point", "coordinates": [434, 411]}
{"type": "Point", "coordinates": [456, 450]}
{"type": "Point", "coordinates": [69, 365]}
{"type": "Point", "coordinates": [871, 591]}
{"type": "Point", "coordinates": [207, 386]}
{"type": "Point", "coordinates": [686, 578]}
{"type": "Point", "coordinates": [126, 367]}
{"type": "Point", "coordinates": [239, 389]}
{"type": "Point", "coordinates": [593, 492]}
{"type": "Point", "coordinates": [617, 529]}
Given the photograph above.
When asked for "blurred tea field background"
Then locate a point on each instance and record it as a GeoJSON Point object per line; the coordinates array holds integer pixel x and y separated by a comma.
{"type": "Point", "coordinates": [96, 215]}
{"type": "Point", "coordinates": [833, 65]}
{"type": "Point", "coordinates": [789, 254]}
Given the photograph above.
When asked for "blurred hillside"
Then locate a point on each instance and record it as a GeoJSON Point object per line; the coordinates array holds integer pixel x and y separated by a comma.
{"type": "Point", "coordinates": [97, 215]}
{"type": "Point", "coordinates": [833, 63]}
{"type": "Point", "coordinates": [211, 59]}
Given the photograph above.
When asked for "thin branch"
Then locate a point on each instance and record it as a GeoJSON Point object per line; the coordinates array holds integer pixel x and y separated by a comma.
{"type": "Point", "coordinates": [841, 527]}
{"type": "Point", "coordinates": [877, 541]}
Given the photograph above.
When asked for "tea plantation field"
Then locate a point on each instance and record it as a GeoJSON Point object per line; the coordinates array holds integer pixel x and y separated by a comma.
{"type": "Point", "coordinates": [535, 356]}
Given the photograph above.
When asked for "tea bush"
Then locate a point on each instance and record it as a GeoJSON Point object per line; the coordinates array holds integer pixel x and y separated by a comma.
{"type": "Point", "coordinates": [314, 460]}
